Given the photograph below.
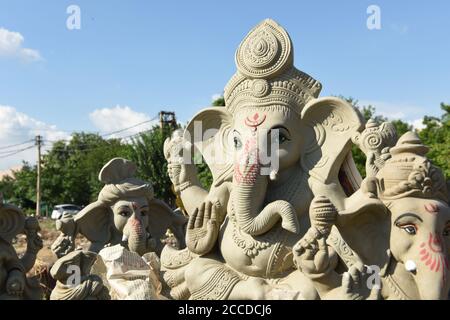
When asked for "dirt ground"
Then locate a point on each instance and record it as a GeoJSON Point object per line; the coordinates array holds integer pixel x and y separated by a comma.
{"type": "Point", "coordinates": [45, 258]}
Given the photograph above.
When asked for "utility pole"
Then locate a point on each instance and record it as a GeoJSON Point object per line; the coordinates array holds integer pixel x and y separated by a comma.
{"type": "Point", "coordinates": [167, 118]}
{"type": "Point", "coordinates": [38, 184]}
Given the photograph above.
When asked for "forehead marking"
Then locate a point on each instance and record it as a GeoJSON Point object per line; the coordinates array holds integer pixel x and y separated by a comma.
{"type": "Point", "coordinates": [431, 208]}
{"type": "Point", "coordinates": [255, 121]}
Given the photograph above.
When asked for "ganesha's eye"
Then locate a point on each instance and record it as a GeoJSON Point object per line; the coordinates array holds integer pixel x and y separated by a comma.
{"type": "Point", "coordinates": [446, 232]}
{"type": "Point", "coordinates": [237, 143]}
{"type": "Point", "coordinates": [124, 213]}
{"type": "Point", "coordinates": [409, 228]}
{"type": "Point", "coordinates": [282, 138]}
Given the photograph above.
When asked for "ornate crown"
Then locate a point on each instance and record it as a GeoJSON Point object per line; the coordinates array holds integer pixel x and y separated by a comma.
{"type": "Point", "coordinates": [410, 173]}
{"type": "Point", "coordinates": [266, 74]}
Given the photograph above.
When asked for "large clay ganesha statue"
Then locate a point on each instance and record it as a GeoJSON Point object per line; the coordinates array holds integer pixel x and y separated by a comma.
{"type": "Point", "coordinates": [241, 232]}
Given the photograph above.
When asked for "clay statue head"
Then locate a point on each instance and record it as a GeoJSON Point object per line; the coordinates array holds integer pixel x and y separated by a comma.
{"type": "Point", "coordinates": [126, 212]}
{"type": "Point", "coordinates": [400, 220]}
{"type": "Point", "coordinates": [12, 221]}
{"type": "Point", "coordinates": [272, 126]}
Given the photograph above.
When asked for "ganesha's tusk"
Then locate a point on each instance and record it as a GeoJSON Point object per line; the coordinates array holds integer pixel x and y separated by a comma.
{"type": "Point", "coordinates": [124, 238]}
{"type": "Point", "coordinates": [410, 266]}
{"type": "Point", "coordinates": [273, 175]}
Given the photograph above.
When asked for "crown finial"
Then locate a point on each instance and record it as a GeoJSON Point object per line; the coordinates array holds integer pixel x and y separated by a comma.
{"type": "Point", "coordinates": [410, 143]}
{"type": "Point", "coordinates": [265, 52]}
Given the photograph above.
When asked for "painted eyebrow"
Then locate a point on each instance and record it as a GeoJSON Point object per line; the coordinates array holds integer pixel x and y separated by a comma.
{"type": "Point", "coordinates": [279, 127]}
{"type": "Point", "coordinates": [124, 207]}
{"type": "Point", "coordinates": [408, 215]}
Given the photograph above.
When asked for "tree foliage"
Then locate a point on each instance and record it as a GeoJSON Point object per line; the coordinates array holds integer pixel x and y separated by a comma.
{"type": "Point", "coordinates": [147, 152]}
{"type": "Point", "coordinates": [436, 135]}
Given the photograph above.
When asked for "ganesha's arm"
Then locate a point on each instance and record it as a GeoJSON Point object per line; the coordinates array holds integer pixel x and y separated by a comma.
{"type": "Point", "coordinates": [28, 260]}
{"type": "Point", "coordinates": [12, 261]}
{"type": "Point", "coordinates": [195, 195]}
{"type": "Point", "coordinates": [192, 197]}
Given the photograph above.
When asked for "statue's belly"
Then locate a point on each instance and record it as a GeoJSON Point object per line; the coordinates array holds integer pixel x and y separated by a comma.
{"type": "Point", "coordinates": [248, 256]}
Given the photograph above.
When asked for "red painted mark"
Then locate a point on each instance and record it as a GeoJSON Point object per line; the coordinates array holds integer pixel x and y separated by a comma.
{"type": "Point", "coordinates": [435, 243]}
{"type": "Point", "coordinates": [136, 225]}
{"type": "Point", "coordinates": [249, 161]}
{"type": "Point", "coordinates": [255, 121]}
{"type": "Point", "coordinates": [134, 205]}
{"type": "Point", "coordinates": [433, 256]}
{"type": "Point", "coordinates": [431, 208]}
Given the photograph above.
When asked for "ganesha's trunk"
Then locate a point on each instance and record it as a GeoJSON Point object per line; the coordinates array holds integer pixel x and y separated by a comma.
{"type": "Point", "coordinates": [137, 236]}
{"type": "Point", "coordinates": [432, 279]}
{"type": "Point", "coordinates": [249, 192]}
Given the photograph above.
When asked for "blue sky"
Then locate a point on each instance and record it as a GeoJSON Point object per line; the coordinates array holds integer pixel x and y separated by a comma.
{"type": "Point", "coordinates": [131, 59]}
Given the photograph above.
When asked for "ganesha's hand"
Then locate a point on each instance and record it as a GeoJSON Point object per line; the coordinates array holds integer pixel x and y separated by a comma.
{"type": "Point", "coordinates": [34, 243]}
{"type": "Point", "coordinates": [311, 254]}
{"type": "Point", "coordinates": [15, 283]}
{"type": "Point", "coordinates": [375, 161]}
{"type": "Point", "coordinates": [355, 286]}
{"type": "Point", "coordinates": [63, 245]}
{"type": "Point", "coordinates": [203, 229]}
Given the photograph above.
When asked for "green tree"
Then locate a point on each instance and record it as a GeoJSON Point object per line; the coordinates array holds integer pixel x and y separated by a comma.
{"type": "Point", "coordinates": [70, 170]}
{"type": "Point", "coordinates": [147, 152]}
{"type": "Point", "coordinates": [436, 135]}
{"type": "Point", "coordinates": [219, 102]}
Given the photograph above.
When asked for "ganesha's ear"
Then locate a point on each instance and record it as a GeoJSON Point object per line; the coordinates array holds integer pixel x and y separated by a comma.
{"type": "Point", "coordinates": [363, 201]}
{"type": "Point", "coordinates": [328, 126]}
{"type": "Point", "coordinates": [162, 217]}
{"type": "Point", "coordinates": [96, 223]}
{"type": "Point", "coordinates": [211, 132]}
{"type": "Point", "coordinates": [364, 224]}
{"type": "Point", "coordinates": [12, 221]}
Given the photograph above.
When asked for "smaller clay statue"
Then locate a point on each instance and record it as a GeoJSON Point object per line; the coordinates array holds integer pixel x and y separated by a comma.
{"type": "Point", "coordinates": [14, 285]}
{"type": "Point", "coordinates": [125, 213]}
{"type": "Point", "coordinates": [74, 281]}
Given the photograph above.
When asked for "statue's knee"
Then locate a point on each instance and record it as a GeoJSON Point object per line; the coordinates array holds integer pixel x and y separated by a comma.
{"type": "Point", "coordinates": [199, 271]}
{"type": "Point", "coordinates": [194, 272]}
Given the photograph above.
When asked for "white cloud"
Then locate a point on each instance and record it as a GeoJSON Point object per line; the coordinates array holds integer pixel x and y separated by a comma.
{"type": "Point", "coordinates": [417, 124]}
{"type": "Point", "coordinates": [17, 127]}
{"type": "Point", "coordinates": [11, 45]}
{"type": "Point", "coordinates": [393, 110]}
{"type": "Point", "coordinates": [117, 118]}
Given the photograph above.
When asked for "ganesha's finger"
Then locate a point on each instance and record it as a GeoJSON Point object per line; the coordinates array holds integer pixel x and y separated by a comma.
{"type": "Point", "coordinates": [214, 213]}
{"type": "Point", "coordinates": [201, 212]}
{"type": "Point", "coordinates": [208, 206]}
{"type": "Point", "coordinates": [355, 274]}
{"type": "Point", "coordinates": [308, 254]}
{"type": "Point", "coordinates": [375, 293]}
{"type": "Point", "coordinates": [321, 257]}
{"type": "Point", "coordinates": [192, 219]}
{"type": "Point", "coordinates": [347, 283]}
{"type": "Point", "coordinates": [301, 246]}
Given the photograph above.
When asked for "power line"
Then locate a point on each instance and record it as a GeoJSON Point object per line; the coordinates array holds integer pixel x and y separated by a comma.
{"type": "Point", "coordinates": [80, 146]}
{"type": "Point", "coordinates": [16, 145]}
{"type": "Point", "coordinates": [132, 127]}
{"type": "Point", "coordinates": [111, 133]}
{"type": "Point", "coordinates": [16, 152]}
